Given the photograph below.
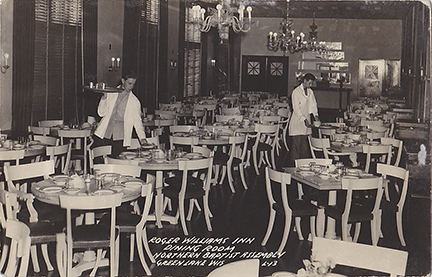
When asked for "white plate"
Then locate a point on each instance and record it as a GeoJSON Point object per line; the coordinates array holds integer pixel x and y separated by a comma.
{"type": "Point", "coordinates": [132, 184]}
{"type": "Point", "coordinates": [51, 189]}
{"type": "Point", "coordinates": [72, 191]}
{"type": "Point", "coordinates": [306, 173]}
{"type": "Point", "coordinates": [117, 188]}
{"type": "Point", "coordinates": [103, 192]}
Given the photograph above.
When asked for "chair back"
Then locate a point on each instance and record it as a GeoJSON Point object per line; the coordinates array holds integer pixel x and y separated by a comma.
{"type": "Point", "coordinates": [19, 233]}
{"type": "Point", "coordinates": [47, 140]}
{"type": "Point", "coordinates": [8, 156]}
{"type": "Point", "coordinates": [396, 172]}
{"type": "Point", "coordinates": [50, 123]}
{"type": "Point", "coordinates": [242, 268]}
{"type": "Point", "coordinates": [27, 171]}
{"type": "Point", "coordinates": [100, 151]}
{"type": "Point", "coordinates": [270, 119]}
{"type": "Point", "coordinates": [283, 180]}
{"type": "Point", "coordinates": [35, 130]}
{"type": "Point", "coordinates": [195, 165]}
{"type": "Point", "coordinates": [73, 133]}
{"type": "Point", "coordinates": [62, 151]}
{"type": "Point", "coordinates": [396, 144]}
{"type": "Point", "coordinates": [123, 169]}
{"type": "Point", "coordinates": [360, 255]}
{"type": "Point", "coordinates": [189, 141]}
{"type": "Point", "coordinates": [383, 150]}
{"type": "Point", "coordinates": [319, 145]}
{"type": "Point", "coordinates": [166, 114]}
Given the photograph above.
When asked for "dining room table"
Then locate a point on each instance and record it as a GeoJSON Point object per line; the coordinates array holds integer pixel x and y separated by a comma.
{"type": "Point", "coordinates": [32, 149]}
{"type": "Point", "coordinates": [49, 191]}
{"type": "Point", "coordinates": [157, 160]}
{"type": "Point", "coordinates": [324, 179]}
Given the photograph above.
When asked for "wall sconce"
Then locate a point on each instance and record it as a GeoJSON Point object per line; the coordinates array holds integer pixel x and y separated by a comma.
{"type": "Point", "coordinates": [5, 66]}
{"type": "Point", "coordinates": [115, 64]}
{"type": "Point", "coordinates": [213, 62]}
{"type": "Point", "coordinates": [173, 65]}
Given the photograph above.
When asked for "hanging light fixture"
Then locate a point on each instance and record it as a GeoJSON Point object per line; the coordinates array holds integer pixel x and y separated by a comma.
{"type": "Point", "coordinates": [223, 17]}
{"type": "Point", "coordinates": [286, 39]}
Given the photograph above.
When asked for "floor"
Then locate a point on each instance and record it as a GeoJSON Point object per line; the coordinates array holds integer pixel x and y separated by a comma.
{"type": "Point", "coordinates": [244, 215]}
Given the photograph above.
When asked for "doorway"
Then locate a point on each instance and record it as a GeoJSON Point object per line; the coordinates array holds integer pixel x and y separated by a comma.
{"type": "Point", "coordinates": [265, 73]}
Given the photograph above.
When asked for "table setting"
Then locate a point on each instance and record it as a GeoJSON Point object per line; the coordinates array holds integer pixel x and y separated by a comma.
{"type": "Point", "coordinates": [48, 190]}
{"type": "Point", "coordinates": [31, 148]}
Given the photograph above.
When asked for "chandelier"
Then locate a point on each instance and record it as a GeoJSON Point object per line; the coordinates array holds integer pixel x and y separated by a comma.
{"type": "Point", "coordinates": [223, 17]}
{"type": "Point", "coordinates": [287, 40]}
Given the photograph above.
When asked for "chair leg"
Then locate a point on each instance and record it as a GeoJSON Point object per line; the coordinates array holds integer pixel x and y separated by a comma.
{"type": "Point", "coordinates": [25, 260]}
{"type": "Point", "coordinates": [61, 254]}
{"type": "Point", "coordinates": [287, 228]}
{"type": "Point", "coordinates": [132, 247]}
{"type": "Point", "coordinates": [320, 222]}
{"type": "Point", "coordinates": [4, 255]}
{"type": "Point", "coordinates": [97, 263]}
{"type": "Point", "coordinates": [146, 246]}
{"type": "Point", "coordinates": [298, 228]}
{"type": "Point", "coordinates": [400, 228]}
{"type": "Point", "coordinates": [140, 240]}
{"type": "Point", "coordinates": [45, 255]}
{"type": "Point", "coordinates": [12, 261]}
{"type": "Point", "coordinates": [224, 170]}
{"type": "Point", "coordinates": [242, 176]}
{"type": "Point", "coordinates": [116, 261]}
{"type": "Point", "coordinates": [255, 160]}
{"type": "Point", "coordinates": [33, 254]}
{"type": "Point", "coordinates": [357, 231]}
{"type": "Point", "coordinates": [345, 230]}
{"type": "Point", "coordinates": [191, 208]}
{"type": "Point", "coordinates": [207, 212]}
{"type": "Point", "coordinates": [230, 177]}
{"type": "Point", "coordinates": [181, 210]}
{"type": "Point", "coordinates": [269, 227]}
{"type": "Point", "coordinates": [312, 226]}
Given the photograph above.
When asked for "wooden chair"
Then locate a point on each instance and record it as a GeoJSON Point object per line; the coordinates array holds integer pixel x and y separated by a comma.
{"type": "Point", "coordinates": [210, 112]}
{"type": "Point", "coordinates": [395, 200]}
{"type": "Point", "coordinates": [47, 140]}
{"type": "Point", "coordinates": [359, 255]}
{"type": "Point", "coordinates": [96, 236]}
{"type": "Point", "coordinates": [50, 123]}
{"type": "Point", "coordinates": [99, 152]}
{"type": "Point", "coordinates": [266, 138]}
{"type": "Point", "coordinates": [11, 156]}
{"type": "Point", "coordinates": [123, 169]}
{"type": "Point", "coordinates": [397, 148]}
{"type": "Point", "coordinates": [19, 234]}
{"type": "Point", "coordinates": [176, 142]}
{"type": "Point", "coordinates": [64, 153]}
{"type": "Point", "coordinates": [135, 224]}
{"type": "Point", "coordinates": [192, 188]}
{"type": "Point", "coordinates": [322, 145]}
{"type": "Point", "coordinates": [77, 136]}
{"type": "Point", "coordinates": [285, 117]}
{"type": "Point", "coordinates": [19, 206]}
{"type": "Point", "coordinates": [241, 268]}
{"type": "Point", "coordinates": [364, 206]}
{"type": "Point", "coordinates": [35, 130]}
{"type": "Point", "coordinates": [383, 151]}
{"type": "Point", "coordinates": [277, 184]}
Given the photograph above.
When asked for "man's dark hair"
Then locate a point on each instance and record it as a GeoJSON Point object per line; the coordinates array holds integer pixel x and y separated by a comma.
{"type": "Point", "coordinates": [130, 74]}
{"type": "Point", "coordinates": [309, 76]}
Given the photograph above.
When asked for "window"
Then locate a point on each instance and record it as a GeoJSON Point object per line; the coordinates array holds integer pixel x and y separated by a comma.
{"type": "Point", "coordinates": [192, 76]}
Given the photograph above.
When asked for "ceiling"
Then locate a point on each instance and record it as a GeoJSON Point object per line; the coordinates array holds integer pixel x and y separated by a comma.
{"type": "Point", "coordinates": [350, 9]}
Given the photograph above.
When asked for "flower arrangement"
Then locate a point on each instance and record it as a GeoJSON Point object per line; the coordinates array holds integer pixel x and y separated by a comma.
{"type": "Point", "coordinates": [315, 268]}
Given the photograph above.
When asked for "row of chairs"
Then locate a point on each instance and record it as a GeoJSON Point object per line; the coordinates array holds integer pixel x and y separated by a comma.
{"type": "Point", "coordinates": [286, 200]}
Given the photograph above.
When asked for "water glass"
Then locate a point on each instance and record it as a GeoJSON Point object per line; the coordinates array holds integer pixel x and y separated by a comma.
{"type": "Point", "coordinates": [98, 178]}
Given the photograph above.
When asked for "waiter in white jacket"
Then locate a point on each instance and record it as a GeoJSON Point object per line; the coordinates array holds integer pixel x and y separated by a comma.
{"type": "Point", "coordinates": [120, 112]}
{"type": "Point", "coordinates": [303, 104]}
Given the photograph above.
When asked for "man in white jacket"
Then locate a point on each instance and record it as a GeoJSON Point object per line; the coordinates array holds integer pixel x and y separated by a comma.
{"type": "Point", "coordinates": [303, 104]}
{"type": "Point", "coordinates": [120, 112]}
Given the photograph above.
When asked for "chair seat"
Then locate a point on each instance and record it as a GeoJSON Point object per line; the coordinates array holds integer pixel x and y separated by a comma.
{"type": "Point", "coordinates": [92, 235]}
{"type": "Point", "coordinates": [357, 213]}
{"type": "Point", "coordinates": [264, 147]}
{"type": "Point", "coordinates": [299, 208]}
{"type": "Point", "coordinates": [194, 188]}
{"type": "Point", "coordinates": [44, 228]}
